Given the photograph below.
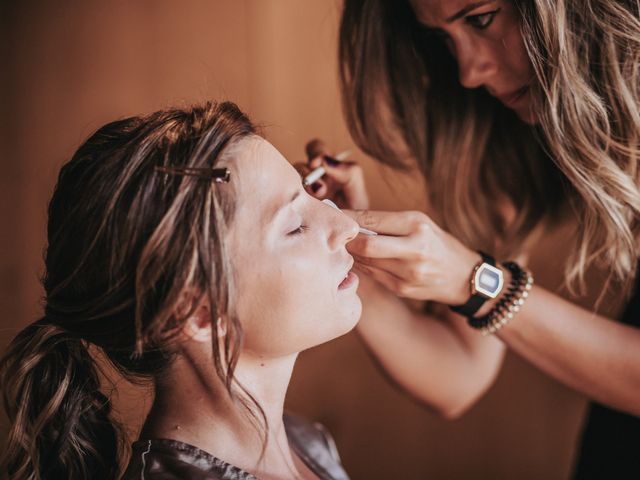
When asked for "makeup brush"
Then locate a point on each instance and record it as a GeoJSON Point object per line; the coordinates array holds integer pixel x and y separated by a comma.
{"type": "Point", "coordinates": [317, 173]}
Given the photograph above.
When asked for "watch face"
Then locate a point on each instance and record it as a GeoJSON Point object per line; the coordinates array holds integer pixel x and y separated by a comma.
{"type": "Point", "coordinates": [488, 280]}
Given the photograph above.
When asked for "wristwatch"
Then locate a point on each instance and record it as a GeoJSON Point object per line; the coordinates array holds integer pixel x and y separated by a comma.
{"type": "Point", "coordinates": [486, 282]}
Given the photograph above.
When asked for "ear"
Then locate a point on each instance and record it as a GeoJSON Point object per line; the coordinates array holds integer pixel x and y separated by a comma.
{"type": "Point", "coordinates": [198, 326]}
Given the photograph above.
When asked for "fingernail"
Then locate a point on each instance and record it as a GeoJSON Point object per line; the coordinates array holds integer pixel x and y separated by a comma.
{"type": "Point", "coordinates": [330, 203]}
{"type": "Point", "coordinates": [315, 187]}
{"type": "Point", "coordinates": [331, 161]}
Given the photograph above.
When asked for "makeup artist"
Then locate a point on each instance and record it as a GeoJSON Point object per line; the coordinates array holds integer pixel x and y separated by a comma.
{"type": "Point", "coordinates": [519, 114]}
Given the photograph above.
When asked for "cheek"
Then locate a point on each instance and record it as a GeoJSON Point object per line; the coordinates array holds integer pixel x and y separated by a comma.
{"type": "Point", "coordinates": [515, 55]}
{"type": "Point", "coordinates": [288, 303]}
{"type": "Point", "coordinates": [281, 289]}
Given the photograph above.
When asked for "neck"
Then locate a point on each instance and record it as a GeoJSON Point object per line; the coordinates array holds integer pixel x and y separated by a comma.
{"type": "Point", "coordinates": [219, 424]}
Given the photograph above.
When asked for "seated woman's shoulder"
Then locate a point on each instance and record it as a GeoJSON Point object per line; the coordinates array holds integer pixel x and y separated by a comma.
{"type": "Point", "coordinates": [315, 446]}
{"type": "Point", "coordinates": [164, 459]}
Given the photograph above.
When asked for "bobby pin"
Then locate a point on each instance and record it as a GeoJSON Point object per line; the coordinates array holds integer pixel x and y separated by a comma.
{"type": "Point", "coordinates": [218, 175]}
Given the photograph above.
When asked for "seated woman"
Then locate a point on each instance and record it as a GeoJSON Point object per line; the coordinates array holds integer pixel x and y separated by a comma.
{"type": "Point", "coordinates": [182, 248]}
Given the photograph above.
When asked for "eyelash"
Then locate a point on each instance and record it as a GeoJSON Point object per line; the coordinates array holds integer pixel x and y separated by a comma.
{"type": "Point", "coordinates": [299, 230]}
{"type": "Point", "coordinates": [476, 21]}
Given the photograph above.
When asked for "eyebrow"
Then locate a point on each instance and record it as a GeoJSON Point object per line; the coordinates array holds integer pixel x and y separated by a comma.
{"type": "Point", "coordinates": [293, 197]}
{"type": "Point", "coordinates": [465, 10]}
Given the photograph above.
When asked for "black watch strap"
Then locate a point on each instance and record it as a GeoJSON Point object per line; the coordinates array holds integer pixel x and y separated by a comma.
{"type": "Point", "coordinates": [475, 301]}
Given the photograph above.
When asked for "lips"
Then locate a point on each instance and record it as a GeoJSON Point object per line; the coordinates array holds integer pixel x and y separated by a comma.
{"type": "Point", "coordinates": [510, 99]}
{"type": "Point", "coordinates": [349, 281]}
{"type": "Point", "coordinates": [349, 278]}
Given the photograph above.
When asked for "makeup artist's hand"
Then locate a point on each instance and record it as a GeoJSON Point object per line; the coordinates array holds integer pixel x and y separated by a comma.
{"type": "Point", "coordinates": [344, 181]}
{"type": "Point", "coordinates": [413, 257]}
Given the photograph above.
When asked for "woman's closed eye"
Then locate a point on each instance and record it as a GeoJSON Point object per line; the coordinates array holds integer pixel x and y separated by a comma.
{"type": "Point", "coordinates": [301, 229]}
{"type": "Point", "coordinates": [482, 20]}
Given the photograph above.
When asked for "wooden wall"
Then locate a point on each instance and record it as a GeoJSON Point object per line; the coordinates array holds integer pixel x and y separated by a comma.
{"type": "Point", "coordinates": [68, 67]}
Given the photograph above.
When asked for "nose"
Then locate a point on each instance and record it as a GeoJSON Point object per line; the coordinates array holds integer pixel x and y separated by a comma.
{"type": "Point", "coordinates": [476, 65]}
{"type": "Point", "coordinates": [342, 229]}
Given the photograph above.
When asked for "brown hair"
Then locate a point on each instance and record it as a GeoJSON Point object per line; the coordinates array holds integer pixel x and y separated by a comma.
{"type": "Point", "coordinates": [404, 105]}
{"type": "Point", "coordinates": [124, 243]}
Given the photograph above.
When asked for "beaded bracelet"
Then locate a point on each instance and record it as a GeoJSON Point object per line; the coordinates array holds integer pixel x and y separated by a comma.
{"type": "Point", "coordinates": [509, 304]}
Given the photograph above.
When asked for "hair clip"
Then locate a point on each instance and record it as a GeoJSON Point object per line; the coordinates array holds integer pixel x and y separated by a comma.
{"type": "Point", "coordinates": [218, 175]}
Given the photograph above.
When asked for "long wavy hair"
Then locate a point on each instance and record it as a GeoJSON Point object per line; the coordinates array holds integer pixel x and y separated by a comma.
{"type": "Point", "coordinates": [125, 242]}
{"type": "Point", "coordinates": [405, 106]}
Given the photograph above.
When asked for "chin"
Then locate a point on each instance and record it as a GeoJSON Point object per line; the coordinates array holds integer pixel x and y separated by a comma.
{"type": "Point", "coordinates": [530, 118]}
{"type": "Point", "coordinates": [356, 313]}
{"type": "Point", "coordinates": [345, 320]}
{"type": "Point", "coordinates": [527, 114]}
{"type": "Point", "coordinates": [352, 317]}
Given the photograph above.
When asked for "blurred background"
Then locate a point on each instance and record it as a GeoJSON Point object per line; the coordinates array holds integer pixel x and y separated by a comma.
{"type": "Point", "coordinates": [68, 67]}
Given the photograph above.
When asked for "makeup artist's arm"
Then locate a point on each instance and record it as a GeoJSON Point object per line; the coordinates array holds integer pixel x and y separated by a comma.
{"type": "Point", "coordinates": [592, 354]}
{"type": "Point", "coordinates": [436, 358]}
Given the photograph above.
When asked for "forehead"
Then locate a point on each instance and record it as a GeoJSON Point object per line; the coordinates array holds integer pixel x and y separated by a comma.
{"type": "Point", "coordinates": [265, 180]}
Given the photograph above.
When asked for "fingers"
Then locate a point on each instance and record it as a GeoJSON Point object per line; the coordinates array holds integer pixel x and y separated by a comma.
{"type": "Point", "coordinates": [316, 148]}
{"type": "Point", "coordinates": [397, 268]}
{"type": "Point", "coordinates": [390, 223]}
{"type": "Point", "coordinates": [319, 188]}
{"type": "Point", "coordinates": [388, 280]}
{"type": "Point", "coordinates": [315, 162]}
{"type": "Point", "coordinates": [326, 185]}
{"type": "Point", "coordinates": [381, 246]}
{"type": "Point", "coordinates": [341, 172]}
{"type": "Point", "coordinates": [318, 155]}
{"type": "Point", "coordinates": [303, 169]}
{"type": "Point", "coordinates": [342, 180]}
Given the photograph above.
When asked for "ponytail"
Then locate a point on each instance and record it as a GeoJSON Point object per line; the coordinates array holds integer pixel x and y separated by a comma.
{"type": "Point", "coordinates": [123, 244]}
{"type": "Point", "coordinates": [60, 425]}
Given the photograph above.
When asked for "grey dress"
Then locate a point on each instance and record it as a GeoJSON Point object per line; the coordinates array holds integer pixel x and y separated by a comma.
{"type": "Point", "coordinates": [164, 459]}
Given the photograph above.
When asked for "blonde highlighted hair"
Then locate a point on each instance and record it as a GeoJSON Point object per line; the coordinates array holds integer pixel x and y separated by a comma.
{"type": "Point", "coordinates": [405, 106]}
{"type": "Point", "coordinates": [126, 242]}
